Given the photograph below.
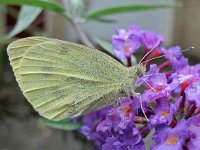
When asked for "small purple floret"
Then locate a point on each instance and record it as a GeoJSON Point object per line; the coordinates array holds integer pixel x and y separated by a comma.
{"type": "Point", "coordinates": [167, 138]}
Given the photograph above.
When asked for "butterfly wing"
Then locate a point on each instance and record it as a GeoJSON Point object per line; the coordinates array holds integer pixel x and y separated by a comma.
{"type": "Point", "coordinates": [62, 79]}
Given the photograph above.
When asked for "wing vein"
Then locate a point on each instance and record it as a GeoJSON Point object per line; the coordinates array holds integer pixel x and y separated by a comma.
{"type": "Point", "coordinates": [63, 74]}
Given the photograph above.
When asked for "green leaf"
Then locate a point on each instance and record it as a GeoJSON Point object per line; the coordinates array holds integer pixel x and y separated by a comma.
{"type": "Point", "coordinates": [38, 3]}
{"type": "Point", "coordinates": [105, 20]}
{"type": "Point", "coordinates": [1, 65]}
{"type": "Point", "coordinates": [62, 125]}
{"type": "Point", "coordinates": [26, 16]}
{"type": "Point", "coordinates": [106, 46]}
{"type": "Point", "coordinates": [124, 9]}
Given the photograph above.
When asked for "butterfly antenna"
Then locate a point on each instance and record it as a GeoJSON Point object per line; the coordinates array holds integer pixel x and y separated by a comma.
{"type": "Point", "coordinates": [188, 49]}
{"type": "Point", "coordinates": [148, 53]}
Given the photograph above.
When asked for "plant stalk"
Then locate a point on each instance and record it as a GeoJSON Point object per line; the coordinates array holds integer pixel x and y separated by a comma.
{"type": "Point", "coordinates": [83, 37]}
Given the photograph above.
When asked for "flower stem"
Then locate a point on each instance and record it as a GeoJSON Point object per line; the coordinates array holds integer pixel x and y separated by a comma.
{"type": "Point", "coordinates": [140, 120]}
{"type": "Point", "coordinates": [84, 39]}
{"type": "Point", "coordinates": [190, 111]}
{"type": "Point", "coordinates": [165, 65]}
{"type": "Point", "coordinates": [182, 105]}
{"type": "Point", "coordinates": [144, 131]}
{"type": "Point", "coordinates": [129, 64]}
{"type": "Point", "coordinates": [173, 123]}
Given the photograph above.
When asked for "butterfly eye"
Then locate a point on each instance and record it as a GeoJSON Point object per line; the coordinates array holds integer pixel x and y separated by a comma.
{"type": "Point", "coordinates": [139, 73]}
{"type": "Point", "coordinates": [140, 70]}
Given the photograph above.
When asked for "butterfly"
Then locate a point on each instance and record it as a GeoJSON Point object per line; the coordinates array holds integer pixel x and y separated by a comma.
{"type": "Point", "coordinates": [63, 79]}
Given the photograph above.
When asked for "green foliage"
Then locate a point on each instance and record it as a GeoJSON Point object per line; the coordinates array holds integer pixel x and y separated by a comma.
{"type": "Point", "coordinates": [26, 16]}
{"type": "Point", "coordinates": [29, 13]}
{"type": "Point", "coordinates": [75, 9]}
{"type": "Point", "coordinates": [63, 124]}
{"type": "Point", "coordinates": [38, 3]}
{"type": "Point", "coordinates": [97, 15]}
{"type": "Point", "coordinates": [106, 46]}
{"type": "Point", "coordinates": [1, 65]}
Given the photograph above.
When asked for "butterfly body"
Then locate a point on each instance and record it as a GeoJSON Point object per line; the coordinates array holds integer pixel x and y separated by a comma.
{"type": "Point", "coordinates": [63, 80]}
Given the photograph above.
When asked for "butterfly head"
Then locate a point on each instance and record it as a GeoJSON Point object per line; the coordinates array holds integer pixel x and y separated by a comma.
{"type": "Point", "coordinates": [137, 71]}
{"type": "Point", "coordinates": [133, 73]}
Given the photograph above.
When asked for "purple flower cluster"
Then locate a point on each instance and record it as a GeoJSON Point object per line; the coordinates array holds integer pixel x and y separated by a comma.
{"type": "Point", "coordinates": [125, 43]}
{"type": "Point", "coordinates": [171, 101]}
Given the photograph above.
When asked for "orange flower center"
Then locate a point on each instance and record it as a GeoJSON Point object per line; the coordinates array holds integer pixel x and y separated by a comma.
{"type": "Point", "coordinates": [148, 87]}
{"type": "Point", "coordinates": [185, 84]}
{"type": "Point", "coordinates": [159, 89]}
{"type": "Point", "coordinates": [127, 110]}
{"type": "Point", "coordinates": [173, 139]}
{"type": "Point", "coordinates": [165, 114]}
{"type": "Point", "coordinates": [156, 53]}
{"type": "Point", "coordinates": [155, 89]}
{"type": "Point", "coordinates": [127, 49]}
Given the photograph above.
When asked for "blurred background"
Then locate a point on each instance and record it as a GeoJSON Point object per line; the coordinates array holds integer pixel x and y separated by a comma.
{"type": "Point", "coordinates": [20, 125]}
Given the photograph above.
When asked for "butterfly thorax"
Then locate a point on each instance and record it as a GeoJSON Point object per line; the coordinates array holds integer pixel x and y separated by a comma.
{"type": "Point", "coordinates": [133, 73]}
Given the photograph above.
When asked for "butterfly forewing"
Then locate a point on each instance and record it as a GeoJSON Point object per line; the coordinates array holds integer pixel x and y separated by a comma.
{"type": "Point", "coordinates": [62, 79]}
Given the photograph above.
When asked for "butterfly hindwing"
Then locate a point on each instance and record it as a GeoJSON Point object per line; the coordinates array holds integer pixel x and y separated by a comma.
{"type": "Point", "coordinates": [62, 79]}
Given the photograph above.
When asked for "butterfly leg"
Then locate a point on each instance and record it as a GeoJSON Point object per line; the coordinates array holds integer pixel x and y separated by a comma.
{"type": "Point", "coordinates": [139, 84]}
{"type": "Point", "coordinates": [119, 101]}
{"type": "Point", "coordinates": [150, 86]}
{"type": "Point", "coordinates": [141, 105]}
